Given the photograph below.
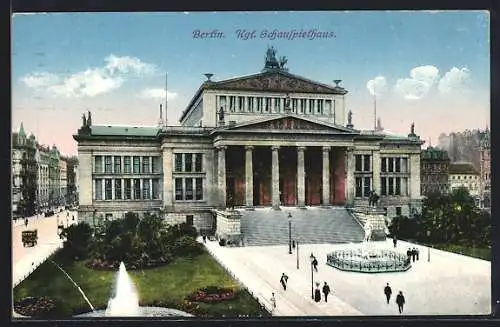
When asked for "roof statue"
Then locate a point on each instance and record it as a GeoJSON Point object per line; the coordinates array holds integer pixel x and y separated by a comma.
{"type": "Point", "coordinates": [349, 119]}
{"type": "Point", "coordinates": [89, 119]}
{"type": "Point", "coordinates": [412, 129]}
{"type": "Point", "coordinates": [84, 120]}
{"type": "Point", "coordinates": [272, 63]}
{"type": "Point", "coordinates": [221, 114]}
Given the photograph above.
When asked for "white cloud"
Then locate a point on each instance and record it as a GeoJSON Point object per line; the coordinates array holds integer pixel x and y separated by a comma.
{"type": "Point", "coordinates": [90, 82]}
{"type": "Point", "coordinates": [377, 86]}
{"type": "Point", "coordinates": [455, 79]}
{"type": "Point", "coordinates": [421, 80]}
{"type": "Point", "coordinates": [157, 93]}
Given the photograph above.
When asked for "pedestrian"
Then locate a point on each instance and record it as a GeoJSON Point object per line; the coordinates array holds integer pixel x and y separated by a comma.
{"type": "Point", "coordinates": [387, 292]}
{"type": "Point", "coordinates": [273, 303]}
{"type": "Point", "coordinates": [317, 293]}
{"type": "Point", "coordinates": [26, 222]}
{"type": "Point", "coordinates": [315, 264]}
{"type": "Point", "coordinates": [326, 291]}
{"type": "Point", "coordinates": [408, 253]}
{"type": "Point", "coordinates": [284, 280]}
{"type": "Point", "coordinates": [400, 300]}
{"type": "Point", "coordinates": [394, 241]}
{"type": "Point", "coordinates": [293, 244]}
{"type": "Point", "coordinates": [417, 252]}
{"type": "Point", "coordinates": [204, 238]}
{"type": "Point", "coordinates": [413, 254]}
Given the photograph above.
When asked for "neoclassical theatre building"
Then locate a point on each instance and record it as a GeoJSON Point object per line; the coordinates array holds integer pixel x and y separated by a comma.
{"type": "Point", "coordinates": [271, 139]}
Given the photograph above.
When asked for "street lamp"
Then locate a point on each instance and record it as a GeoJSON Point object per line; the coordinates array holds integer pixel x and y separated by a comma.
{"type": "Point", "coordinates": [289, 233]}
{"type": "Point", "coordinates": [428, 246]}
{"type": "Point", "coordinates": [297, 243]}
{"type": "Point", "coordinates": [312, 276]}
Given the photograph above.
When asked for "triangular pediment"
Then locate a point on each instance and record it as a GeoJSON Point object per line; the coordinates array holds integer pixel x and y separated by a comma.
{"type": "Point", "coordinates": [276, 81]}
{"type": "Point", "coordinates": [290, 123]}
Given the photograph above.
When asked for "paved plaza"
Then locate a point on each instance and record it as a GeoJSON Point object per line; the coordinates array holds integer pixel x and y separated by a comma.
{"type": "Point", "coordinates": [450, 284]}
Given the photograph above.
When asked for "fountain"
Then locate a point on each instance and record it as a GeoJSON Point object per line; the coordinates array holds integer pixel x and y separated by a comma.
{"type": "Point", "coordinates": [367, 258]}
{"type": "Point", "coordinates": [125, 302]}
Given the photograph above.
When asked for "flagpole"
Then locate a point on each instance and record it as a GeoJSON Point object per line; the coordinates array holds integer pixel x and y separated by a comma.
{"type": "Point", "coordinates": [166, 98]}
{"type": "Point", "coordinates": [374, 109]}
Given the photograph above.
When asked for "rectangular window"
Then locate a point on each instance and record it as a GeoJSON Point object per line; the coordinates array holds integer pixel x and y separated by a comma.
{"type": "Point", "coordinates": [137, 165]}
{"type": "Point", "coordinates": [222, 100]}
{"type": "Point", "coordinates": [383, 164]}
{"type": "Point", "coordinates": [156, 165]}
{"type": "Point", "coordinates": [198, 162]}
{"type": "Point", "coordinates": [178, 189]}
{"type": "Point", "coordinates": [199, 189]}
{"type": "Point", "coordinates": [189, 220]}
{"type": "Point", "coordinates": [137, 189]}
{"type": "Point", "coordinates": [98, 189]}
{"type": "Point", "coordinates": [108, 168]}
{"type": "Point", "coordinates": [232, 103]}
{"type": "Point", "coordinates": [260, 104]}
{"type": "Point", "coordinates": [398, 185]}
{"type": "Point", "coordinates": [118, 189]}
{"type": "Point", "coordinates": [241, 103]}
{"type": "Point", "coordinates": [189, 188]}
{"type": "Point", "coordinates": [178, 162]}
{"type": "Point", "coordinates": [391, 165]}
{"type": "Point", "coordinates": [320, 107]}
{"type": "Point", "coordinates": [188, 162]}
{"type": "Point", "coordinates": [311, 106]}
{"type": "Point", "coordinates": [391, 186]}
{"type": "Point", "coordinates": [295, 104]}
{"type": "Point", "coordinates": [302, 105]}
{"type": "Point", "coordinates": [145, 165]}
{"type": "Point", "coordinates": [108, 189]}
{"type": "Point", "coordinates": [250, 104]}
{"type": "Point", "coordinates": [366, 163]}
{"type": "Point", "coordinates": [359, 160]}
{"type": "Point", "coordinates": [268, 104]}
{"type": "Point", "coordinates": [367, 186]}
{"type": "Point", "coordinates": [277, 104]}
{"type": "Point", "coordinates": [118, 165]}
{"type": "Point", "coordinates": [128, 189]}
{"type": "Point", "coordinates": [383, 187]}
{"type": "Point", "coordinates": [398, 164]}
{"type": "Point", "coordinates": [145, 189]}
{"type": "Point", "coordinates": [126, 165]}
{"type": "Point", "coordinates": [156, 189]}
{"type": "Point", "coordinates": [359, 187]}
{"type": "Point", "coordinates": [98, 164]}
{"type": "Point", "coordinates": [398, 211]}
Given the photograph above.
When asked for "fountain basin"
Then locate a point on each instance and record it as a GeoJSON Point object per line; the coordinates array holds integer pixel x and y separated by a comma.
{"type": "Point", "coordinates": [368, 260]}
{"type": "Point", "coordinates": [142, 312]}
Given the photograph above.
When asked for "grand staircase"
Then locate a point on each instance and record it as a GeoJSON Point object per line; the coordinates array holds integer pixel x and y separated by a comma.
{"type": "Point", "coordinates": [314, 225]}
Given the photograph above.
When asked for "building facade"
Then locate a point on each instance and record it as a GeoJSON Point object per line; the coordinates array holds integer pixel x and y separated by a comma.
{"type": "Point", "coordinates": [43, 159]}
{"type": "Point", "coordinates": [434, 173]}
{"type": "Point", "coordinates": [63, 181]}
{"type": "Point", "coordinates": [54, 177]}
{"type": "Point", "coordinates": [485, 170]}
{"type": "Point", "coordinates": [71, 177]}
{"type": "Point", "coordinates": [465, 175]}
{"type": "Point", "coordinates": [270, 139]}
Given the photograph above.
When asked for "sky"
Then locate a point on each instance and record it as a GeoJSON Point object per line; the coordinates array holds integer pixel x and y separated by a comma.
{"type": "Point", "coordinates": [427, 67]}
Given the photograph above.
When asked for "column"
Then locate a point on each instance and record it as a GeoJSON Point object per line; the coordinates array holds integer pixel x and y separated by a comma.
{"type": "Point", "coordinates": [275, 187]}
{"type": "Point", "coordinates": [123, 188]}
{"type": "Point", "coordinates": [326, 175]}
{"type": "Point", "coordinates": [167, 177]}
{"type": "Point", "coordinates": [350, 182]}
{"type": "Point", "coordinates": [103, 188]}
{"type": "Point", "coordinates": [249, 176]}
{"type": "Point", "coordinates": [141, 191]}
{"type": "Point", "coordinates": [376, 172]}
{"type": "Point", "coordinates": [221, 175]}
{"type": "Point", "coordinates": [151, 189]}
{"type": "Point", "coordinates": [301, 186]}
{"type": "Point", "coordinates": [113, 189]}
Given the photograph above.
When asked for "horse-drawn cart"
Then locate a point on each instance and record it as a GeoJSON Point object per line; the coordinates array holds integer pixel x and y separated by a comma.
{"type": "Point", "coordinates": [29, 237]}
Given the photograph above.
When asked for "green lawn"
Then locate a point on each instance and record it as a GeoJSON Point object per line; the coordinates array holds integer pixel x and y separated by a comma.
{"type": "Point", "coordinates": [480, 253]}
{"type": "Point", "coordinates": [168, 285]}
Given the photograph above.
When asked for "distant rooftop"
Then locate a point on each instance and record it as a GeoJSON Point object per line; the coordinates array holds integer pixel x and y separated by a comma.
{"type": "Point", "coordinates": [432, 153]}
{"type": "Point", "coordinates": [110, 130]}
{"type": "Point", "coordinates": [462, 168]}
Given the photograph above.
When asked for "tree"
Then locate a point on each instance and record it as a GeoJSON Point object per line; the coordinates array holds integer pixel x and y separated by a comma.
{"type": "Point", "coordinates": [77, 240]}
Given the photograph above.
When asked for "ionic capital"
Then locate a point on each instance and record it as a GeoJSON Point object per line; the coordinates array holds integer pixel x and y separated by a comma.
{"type": "Point", "coordinates": [326, 149]}
{"type": "Point", "coordinates": [249, 147]}
{"type": "Point", "coordinates": [301, 148]}
{"type": "Point", "coordinates": [275, 147]}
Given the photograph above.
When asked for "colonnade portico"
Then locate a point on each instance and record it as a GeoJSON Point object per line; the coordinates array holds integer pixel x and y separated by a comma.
{"type": "Point", "coordinates": [274, 190]}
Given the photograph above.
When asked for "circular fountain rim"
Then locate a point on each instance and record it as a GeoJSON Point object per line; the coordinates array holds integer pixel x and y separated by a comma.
{"type": "Point", "coordinates": [143, 310]}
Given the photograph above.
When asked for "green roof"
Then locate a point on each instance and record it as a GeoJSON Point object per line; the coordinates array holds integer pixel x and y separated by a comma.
{"type": "Point", "coordinates": [124, 131]}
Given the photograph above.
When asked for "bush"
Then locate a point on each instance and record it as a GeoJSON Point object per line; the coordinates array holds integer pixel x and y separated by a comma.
{"type": "Point", "coordinates": [187, 246]}
{"type": "Point", "coordinates": [77, 239]}
{"type": "Point", "coordinates": [183, 229]}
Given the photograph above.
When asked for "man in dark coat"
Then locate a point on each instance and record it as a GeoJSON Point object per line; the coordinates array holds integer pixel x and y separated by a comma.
{"type": "Point", "coordinates": [283, 280]}
{"type": "Point", "coordinates": [417, 252]}
{"type": "Point", "coordinates": [408, 253]}
{"type": "Point", "coordinates": [413, 254]}
{"type": "Point", "coordinates": [317, 293]}
{"type": "Point", "coordinates": [326, 291]}
{"type": "Point", "coordinates": [387, 292]}
{"type": "Point", "coordinates": [394, 241]}
{"type": "Point", "coordinates": [26, 222]}
{"type": "Point", "coordinates": [400, 300]}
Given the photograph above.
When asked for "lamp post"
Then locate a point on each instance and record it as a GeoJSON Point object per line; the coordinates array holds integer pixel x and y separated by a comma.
{"type": "Point", "coordinates": [428, 247]}
{"type": "Point", "coordinates": [312, 276]}
{"type": "Point", "coordinates": [289, 233]}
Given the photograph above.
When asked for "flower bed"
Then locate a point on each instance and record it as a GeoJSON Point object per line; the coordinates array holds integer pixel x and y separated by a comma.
{"type": "Point", "coordinates": [99, 264]}
{"type": "Point", "coordinates": [212, 294]}
{"type": "Point", "coordinates": [35, 307]}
